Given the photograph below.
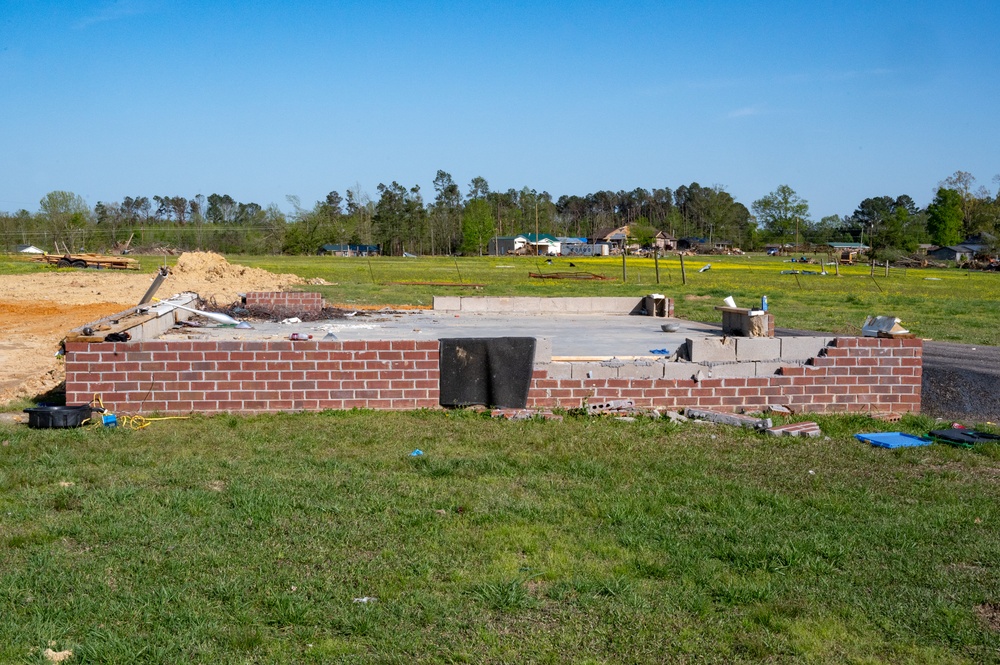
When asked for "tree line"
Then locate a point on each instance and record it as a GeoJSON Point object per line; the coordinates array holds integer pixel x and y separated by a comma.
{"type": "Point", "coordinates": [401, 220]}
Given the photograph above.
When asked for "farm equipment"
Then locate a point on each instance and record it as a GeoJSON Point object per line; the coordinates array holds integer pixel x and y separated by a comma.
{"type": "Point", "coordinates": [98, 261]}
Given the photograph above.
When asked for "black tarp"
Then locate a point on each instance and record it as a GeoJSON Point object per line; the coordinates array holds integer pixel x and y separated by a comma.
{"type": "Point", "coordinates": [492, 371]}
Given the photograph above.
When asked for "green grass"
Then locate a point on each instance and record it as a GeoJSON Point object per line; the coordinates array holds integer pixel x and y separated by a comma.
{"type": "Point", "coordinates": [946, 305]}
{"type": "Point", "coordinates": [233, 540]}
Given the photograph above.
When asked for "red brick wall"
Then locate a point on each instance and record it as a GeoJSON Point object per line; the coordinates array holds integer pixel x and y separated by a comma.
{"type": "Point", "coordinates": [253, 377]}
{"type": "Point", "coordinates": [285, 301]}
{"type": "Point", "coordinates": [854, 374]}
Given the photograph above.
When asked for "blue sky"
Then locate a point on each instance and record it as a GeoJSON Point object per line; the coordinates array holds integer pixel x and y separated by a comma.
{"type": "Point", "coordinates": [261, 100]}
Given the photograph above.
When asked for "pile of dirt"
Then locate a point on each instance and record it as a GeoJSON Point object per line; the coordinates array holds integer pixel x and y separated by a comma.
{"type": "Point", "coordinates": [38, 309]}
{"type": "Point", "coordinates": [215, 279]}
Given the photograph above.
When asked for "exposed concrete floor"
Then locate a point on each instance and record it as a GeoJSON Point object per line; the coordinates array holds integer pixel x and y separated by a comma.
{"type": "Point", "coordinates": [586, 335]}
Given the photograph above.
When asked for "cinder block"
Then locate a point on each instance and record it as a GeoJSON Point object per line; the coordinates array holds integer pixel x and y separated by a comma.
{"type": "Point", "coordinates": [558, 370]}
{"type": "Point", "coordinates": [711, 349]}
{"type": "Point", "coordinates": [757, 348]}
{"type": "Point", "coordinates": [802, 348]}
{"type": "Point", "coordinates": [676, 371]}
{"type": "Point", "coordinates": [543, 350]}
{"type": "Point", "coordinates": [448, 303]}
{"type": "Point", "coordinates": [634, 371]}
{"type": "Point", "coordinates": [734, 370]}
{"type": "Point", "coordinates": [593, 371]}
{"type": "Point", "coordinates": [768, 369]}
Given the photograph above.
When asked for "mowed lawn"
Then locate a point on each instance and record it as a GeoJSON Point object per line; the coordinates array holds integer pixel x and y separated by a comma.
{"type": "Point", "coordinates": [319, 538]}
{"type": "Point", "coordinates": [942, 304]}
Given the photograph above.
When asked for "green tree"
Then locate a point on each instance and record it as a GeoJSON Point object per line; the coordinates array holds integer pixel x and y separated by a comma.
{"type": "Point", "coordinates": [477, 227]}
{"type": "Point", "coordinates": [782, 213]}
{"type": "Point", "coordinates": [67, 216]}
{"type": "Point", "coordinates": [945, 217]}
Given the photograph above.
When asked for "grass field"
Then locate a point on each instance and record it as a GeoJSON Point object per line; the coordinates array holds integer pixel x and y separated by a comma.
{"type": "Point", "coordinates": [946, 305]}
{"type": "Point", "coordinates": [235, 540]}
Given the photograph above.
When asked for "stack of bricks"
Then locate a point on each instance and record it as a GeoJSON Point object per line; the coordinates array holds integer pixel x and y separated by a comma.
{"type": "Point", "coordinates": [284, 303]}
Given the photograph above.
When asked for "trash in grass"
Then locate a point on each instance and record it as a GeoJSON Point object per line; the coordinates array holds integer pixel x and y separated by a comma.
{"type": "Point", "coordinates": [884, 326]}
{"type": "Point", "coordinates": [365, 599]}
{"type": "Point", "coordinates": [707, 266]}
{"type": "Point", "coordinates": [417, 453]}
{"type": "Point", "coordinates": [962, 437]}
{"type": "Point", "coordinates": [893, 440]}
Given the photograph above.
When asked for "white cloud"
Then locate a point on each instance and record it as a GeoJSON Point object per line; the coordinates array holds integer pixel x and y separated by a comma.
{"type": "Point", "coordinates": [113, 11]}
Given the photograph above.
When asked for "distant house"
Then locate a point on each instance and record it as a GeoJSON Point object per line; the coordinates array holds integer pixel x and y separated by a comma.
{"type": "Point", "coordinates": [664, 241]}
{"type": "Point", "coordinates": [692, 242]}
{"type": "Point", "coordinates": [28, 249]}
{"type": "Point", "coordinates": [848, 246]}
{"type": "Point", "coordinates": [955, 252]}
{"type": "Point", "coordinates": [616, 237]}
{"type": "Point", "coordinates": [543, 243]}
{"type": "Point", "coordinates": [503, 245]}
{"type": "Point", "coordinates": [348, 250]}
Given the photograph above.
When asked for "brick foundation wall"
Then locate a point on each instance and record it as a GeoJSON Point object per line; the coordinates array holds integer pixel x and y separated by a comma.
{"type": "Point", "coordinates": [291, 302]}
{"type": "Point", "coordinates": [253, 377]}
{"type": "Point", "coordinates": [850, 374]}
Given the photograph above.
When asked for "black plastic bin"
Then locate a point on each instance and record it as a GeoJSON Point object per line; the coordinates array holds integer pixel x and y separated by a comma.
{"type": "Point", "coordinates": [47, 417]}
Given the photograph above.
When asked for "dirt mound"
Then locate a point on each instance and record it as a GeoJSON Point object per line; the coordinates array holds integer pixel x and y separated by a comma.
{"type": "Point", "coordinates": [213, 278]}
{"type": "Point", "coordinates": [37, 310]}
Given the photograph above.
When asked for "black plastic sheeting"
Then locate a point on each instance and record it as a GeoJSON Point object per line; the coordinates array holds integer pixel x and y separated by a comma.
{"type": "Point", "coordinates": [491, 371]}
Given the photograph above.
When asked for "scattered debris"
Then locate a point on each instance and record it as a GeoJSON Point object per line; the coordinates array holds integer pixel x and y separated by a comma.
{"type": "Point", "coordinates": [778, 408]}
{"type": "Point", "coordinates": [57, 656]}
{"type": "Point", "coordinates": [675, 417]}
{"type": "Point", "coordinates": [290, 320]}
{"type": "Point", "coordinates": [796, 429]}
{"type": "Point", "coordinates": [707, 266]}
{"type": "Point", "coordinates": [566, 275]}
{"type": "Point", "coordinates": [884, 326]}
{"type": "Point", "coordinates": [417, 453]}
{"type": "Point", "coordinates": [962, 437]}
{"type": "Point", "coordinates": [735, 419]}
{"type": "Point", "coordinates": [365, 600]}
{"type": "Point", "coordinates": [613, 406]}
{"type": "Point", "coordinates": [893, 440]}
{"type": "Point", "coordinates": [525, 414]}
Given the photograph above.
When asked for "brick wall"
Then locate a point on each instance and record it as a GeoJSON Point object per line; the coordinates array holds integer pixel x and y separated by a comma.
{"type": "Point", "coordinates": [253, 377]}
{"type": "Point", "coordinates": [288, 302]}
{"type": "Point", "coordinates": [851, 374]}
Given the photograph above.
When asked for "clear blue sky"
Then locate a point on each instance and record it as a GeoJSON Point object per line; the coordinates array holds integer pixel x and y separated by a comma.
{"type": "Point", "coordinates": [839, 100]}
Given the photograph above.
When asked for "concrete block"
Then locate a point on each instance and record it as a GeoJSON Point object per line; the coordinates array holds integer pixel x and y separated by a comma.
{"type": "Point", "coordinates": [711, 349]}
{"type": "Point", "coordinates": [802, 348]}
{"type": "Point", "coordinates": [543, 350]}
{"type": "Point", "coordinates": [557, 370]}
{"type": "Point", "coordinates": [634, 371]}
{"type": "Point", "coordinates": [757, 348]}
{"type": "Point", "coordinates": [768, 369]}
{"type": "Point", "coordinates": [447, 303]}
{"type": "Point", "coordinates": [616, 305]}
{"type": "Point", "coordinates": [593, 371]}
{"type": "Point", "coordinates": [735, 371]}
{"type": "Point", "coordinates": [796, 429]}
{"type": "Point", "coordinates": [680, 371]}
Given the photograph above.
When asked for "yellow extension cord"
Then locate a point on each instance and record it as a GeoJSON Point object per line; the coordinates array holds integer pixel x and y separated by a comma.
{"type": "Point", "coordinates": [135, 422]}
